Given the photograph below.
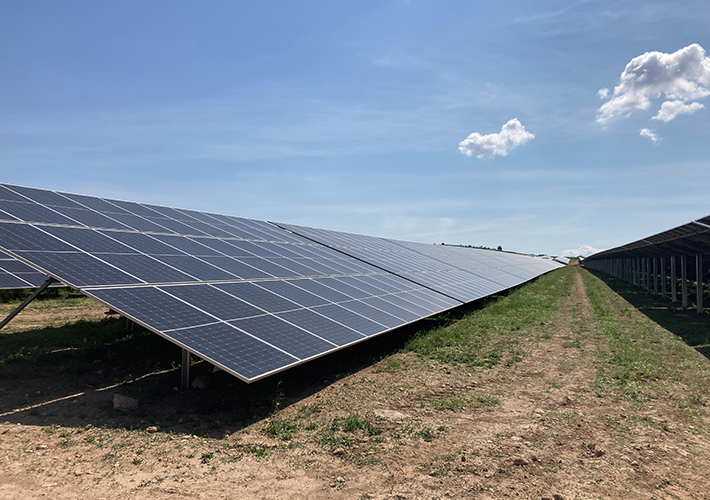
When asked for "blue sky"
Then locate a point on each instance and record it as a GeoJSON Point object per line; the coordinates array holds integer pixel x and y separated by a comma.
{"type": "Point", "coordinates": [349, 115]}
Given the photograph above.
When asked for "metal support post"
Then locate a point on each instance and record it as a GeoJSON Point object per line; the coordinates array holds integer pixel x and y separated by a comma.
{"type": "Point", "coordinates": [664, 275]}
{"type": "Point", "coordinates": [648, 275]}
{"type": "Point", "coordinates": [684, 280]}
{"type": "Point", "coordinates": [655, 276]}
{"type": "Point", "coordinates": [185, 371]}
{"type": "Point", "coordinates": [699, 281]}
{"type": "Point", "coordinates": [674, 279]}
{"type": "Point", "coordinates": [27, 301]}
{"type": "Point", "coordinates": [130, 326]}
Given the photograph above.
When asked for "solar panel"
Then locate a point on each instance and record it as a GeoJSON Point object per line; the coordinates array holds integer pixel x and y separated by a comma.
{"type": "Point", "coordinates": [16, 274]}
{"type": "Point", "coordinates": [249, 296]}
{"type": "Point", "coordinates": [461, 273]}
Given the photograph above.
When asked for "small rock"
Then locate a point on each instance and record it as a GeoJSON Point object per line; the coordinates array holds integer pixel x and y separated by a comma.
{"type": "Point", "coordinates": [599, 453]}
{"type": "Point", "coordinates": [42, 447]}
{"type": "Point", "coordinates": [124, 403]}
{"type": "Point", "coordinates": [340, 479]}
{"type": "Point", "coordinates": [181, 420]}
{"type": "Point", "coordinates": [634, 463]}
{"type": "Point", "coordinates": [152, 429]}
{"type": "Point", "coordinates": [88, 426]}
{"type": "Point", "coordinates": [201, 382]}
{"type": "Point", "coordinates": [520, 461]}
{"type": "Point", "coordinates": [338, 452]}
{"type": "Point", "coordinates": [557, 496]}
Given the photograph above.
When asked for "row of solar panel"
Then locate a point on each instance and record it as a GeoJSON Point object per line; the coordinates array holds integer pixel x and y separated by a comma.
{"type": "Point", "coordinates": [41, 206]}
{"type": "Point", "coordinates": [272, 298]}
{"type": "Point", "coordinates": [256, 328]}
{"type": "Point", "coordinates": [464, 274]}
{"type": "Point", "coordinates": [88, 257]}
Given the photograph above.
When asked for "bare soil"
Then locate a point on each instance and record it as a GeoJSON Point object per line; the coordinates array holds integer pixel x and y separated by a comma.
{"type": "Point", "coordinates": [546, 426]}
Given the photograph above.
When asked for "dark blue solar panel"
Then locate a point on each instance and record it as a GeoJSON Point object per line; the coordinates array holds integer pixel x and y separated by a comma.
{"type": "Point", "coordinates": [24, 237]}
{"type": "Point", "coordinates": [296, 268]}
{"type": "Point", "coordinates": [9, 195]}
{"type": "Point", "coordinates": [342, 287]}
{"type": "Point", "coordinates": [392, 309]}
{"type": "Point", "coordinates": [237, 268]}
{"type": "Point", "coordinates": [14, 266]}
{"type": "Point", "coordinates": [269, 267]}
{"type": "Point", "coordinates": [143, 243]}
{"type": "Point", "coordinates": [373, 313]}
{"type": "Point", "coordinates": [88, 239]}
{"type": "Point", "coordinates": [139, 223]}
{"type": "Point", "coordinates": [321, 290]}
{"type": "Point", "coordinates": [186, 245]}
{"type": "Point", "coordinates": [261, 298]}
{"type": "Point", "coordinates": [357, 322]}
{"type": "Point", "coordinates": [213, 301]}
{"type": "Point", "coordinates": [95, 203]}
{"type": "Point", "coordinates": [321, 326]}
{"type": "Point", "coordinates": [31, 212]}
{"type": "Point", "coordinates": [195, 267]}
{"type": "Point", "coordinates": [294, 293]}
{"type": "Point", "coordinates": [243, 354]}
{"type": "Point", "coordinates": [146, 268]}
{"type": "Point", "coordinates": [8, 281]}
{"type": "Point", "coordinates": [44, 197]}
{"type": "Point", "coordinates": [285, 336]}
{"type": "Point", "coordinates": [90, 218]}
{"type": "Point", "coordinates": [152, 307]}
{"type": "Point", "coordinates": [176, 226]}
{"type": "Point", "coordinates": [78, 269]}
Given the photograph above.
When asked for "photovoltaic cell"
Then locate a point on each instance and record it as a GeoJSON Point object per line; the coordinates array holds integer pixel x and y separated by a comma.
{"type": "Point", "coordinates": [285, 336]}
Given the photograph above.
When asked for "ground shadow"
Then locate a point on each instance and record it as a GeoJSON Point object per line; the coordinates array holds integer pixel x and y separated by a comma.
{"type": "Point", "coordinates": [692, 327]}
{"type": "Point", "coordinates": [68, 376]}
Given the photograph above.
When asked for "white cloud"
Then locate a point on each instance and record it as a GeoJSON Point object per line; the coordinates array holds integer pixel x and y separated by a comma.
{"type": "Point", "coordinates": [647, 132]}
{"type": "Point", "coordinates": [584, 251]}
{"type": "Point", "coordinates": [681, 76]}
{"type": "Point", "coordinates": [603, 93]}
{"type": "Point", "coordinates": [671, 109]}
{"type": "Point", "coordinates": [511, 135]}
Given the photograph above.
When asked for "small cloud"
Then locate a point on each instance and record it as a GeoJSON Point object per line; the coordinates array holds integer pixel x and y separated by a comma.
{"type": "Point", "coordinates": [603, 93]}
{"type": "Point", "coordinates": [647, 132]}
{"type": "Point", "coordinates": [511, 135]}
{"type": "Point", "coordinates": [681, 76]}
{"type": "Point", "coordinates": [584, 251]}
{"type": "Point", "coordinates": [671, 109]}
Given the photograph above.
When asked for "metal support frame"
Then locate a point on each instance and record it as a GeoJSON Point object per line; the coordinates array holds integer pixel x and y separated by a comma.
{"type": "Point", "coordinates": [699, 282]}
{"type": "Point", "coordinates": [130, 325]}
{"type": "Point", "coordinates": [655, 276]}
{"type": "Point", "coordinates": [674, 279]}
{"type": "Point", "coordinates": [185, 371]}
{"type": "Point", "coordinates": [684, 280]}
{"type": "Point", "coordinates": [664, 277]}
{"type": "Point", "coordinates": [27, 301]}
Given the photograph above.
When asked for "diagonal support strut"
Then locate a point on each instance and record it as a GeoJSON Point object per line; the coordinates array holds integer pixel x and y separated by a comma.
{"type": "Point", "coordinates": [27, 301]}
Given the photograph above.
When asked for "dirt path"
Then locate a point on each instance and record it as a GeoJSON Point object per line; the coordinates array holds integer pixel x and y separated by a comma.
{"type": "Point", "coordinates": [545, 426]}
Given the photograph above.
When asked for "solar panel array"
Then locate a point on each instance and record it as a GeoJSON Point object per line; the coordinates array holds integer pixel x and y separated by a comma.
{"type": "Point", "coordinates": [464, 274]}
{"type": "Point", "coordinates": [247, 295]}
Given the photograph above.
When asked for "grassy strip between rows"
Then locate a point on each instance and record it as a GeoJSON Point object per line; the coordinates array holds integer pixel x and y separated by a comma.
{"type": "Point", "coordinates": [496, 333]}
{"type": "Point", "coordinates": [641, 355]}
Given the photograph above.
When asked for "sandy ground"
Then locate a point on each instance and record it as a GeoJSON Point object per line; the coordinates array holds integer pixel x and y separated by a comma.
{"type": "Point", "coordinates": [539, 428]}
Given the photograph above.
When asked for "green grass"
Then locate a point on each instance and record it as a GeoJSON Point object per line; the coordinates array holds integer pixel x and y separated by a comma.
{"type": "Point", "coordinates": [492, 334]}
{"type": "Point", "coordinates": [641, 353]}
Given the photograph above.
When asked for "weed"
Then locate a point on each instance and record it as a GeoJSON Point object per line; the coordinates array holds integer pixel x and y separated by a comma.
{"type": "Point", "coordinates": [206, 457]}
{"type": "Point", "coordinates": [280, 429]}
{"type": "Point", "coordinates": [353, 423]}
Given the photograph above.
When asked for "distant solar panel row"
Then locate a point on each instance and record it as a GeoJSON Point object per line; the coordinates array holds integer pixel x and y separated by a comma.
{"type": "Point", "coordinates": [247, 295]}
